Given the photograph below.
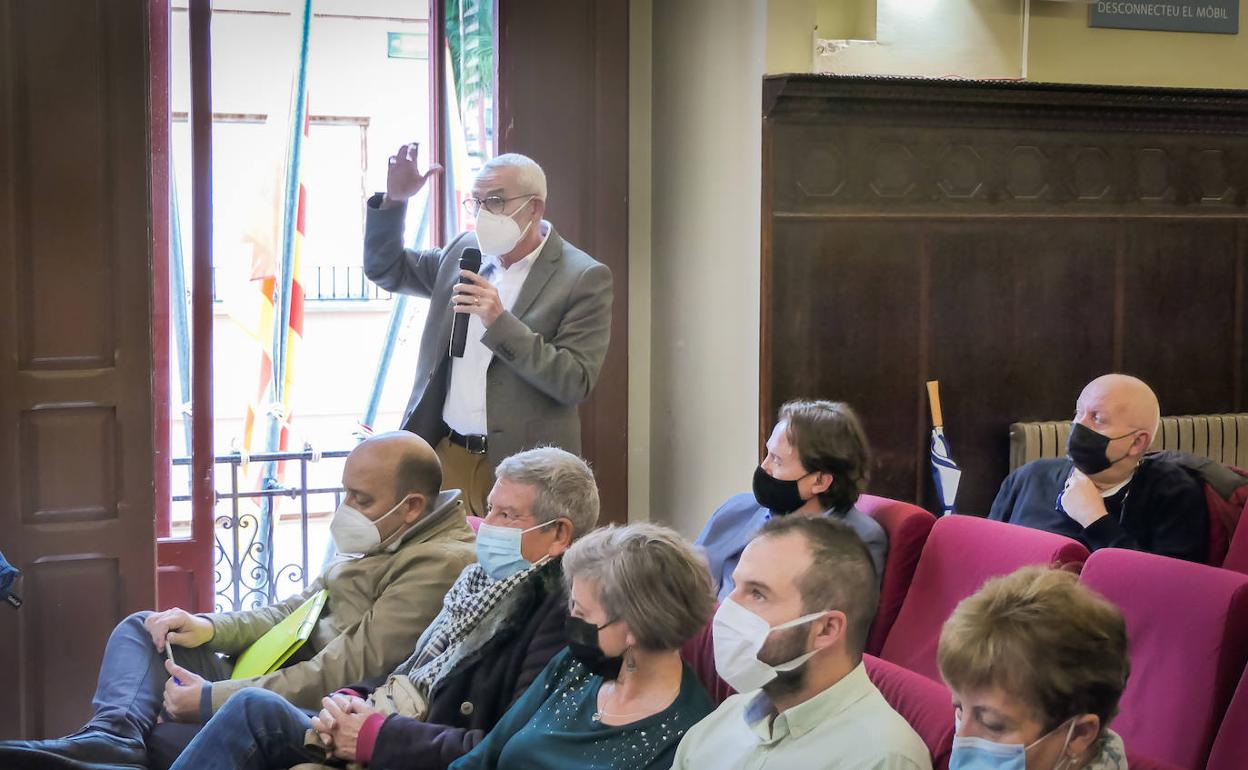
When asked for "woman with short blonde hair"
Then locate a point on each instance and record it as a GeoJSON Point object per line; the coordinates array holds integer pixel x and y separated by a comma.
{"type": "Point", "coordinates": [1037, 664]}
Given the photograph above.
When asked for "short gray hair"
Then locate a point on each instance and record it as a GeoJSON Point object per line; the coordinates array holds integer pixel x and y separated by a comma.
{"type": "Point", "coordinates": [565, 486]}
{"type": "Point", "coordinates": [648, 576]}
{"type": "Point", "coordinates": [530, 176]}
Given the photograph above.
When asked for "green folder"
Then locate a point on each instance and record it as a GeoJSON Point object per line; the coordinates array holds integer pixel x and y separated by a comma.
{"type": "Point", "coordinates": [269, 652]}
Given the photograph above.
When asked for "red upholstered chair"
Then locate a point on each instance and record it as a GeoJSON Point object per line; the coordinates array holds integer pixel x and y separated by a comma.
{"type": "Point", "coordinates": [1230, 747]}
{"type": "Point", "coordinates": [1237, 554]}
{"type": "Point", "coordinates": [961, 553]}
{"type": "Point", "coordinates": [1141, 762]}
{"type": "Point", "coordinates": [925, 704]}
{"type": "Point", "coordinates": [1188, 626]}
{"type": "Point", "coordinates": [699, 653]}
{"type": "Point", "coordinates": [907, 527]}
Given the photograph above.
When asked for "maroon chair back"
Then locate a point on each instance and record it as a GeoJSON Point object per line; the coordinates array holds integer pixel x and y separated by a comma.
{"type": "Point", "coordinates": [1230, 747]}
{"type": "Point", "coordinates": [1237, 553]}
{"type": "Point", "coordinates": [1142, 762]}
{"type": "Point", "coordinates": [907, 527]}
{"type": "Point", "coordinates": [925, 704]}
{"type": "Point", "coordinates": [699, 653]}
{"type": "Point", "coordinates": [961, 553]}
{"type": "Point", "coordinates": [1188, 626]}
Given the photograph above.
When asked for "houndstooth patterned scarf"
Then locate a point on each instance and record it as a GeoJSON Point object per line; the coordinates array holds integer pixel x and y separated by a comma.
{"type": "Point", "coordinates": [470, 599]}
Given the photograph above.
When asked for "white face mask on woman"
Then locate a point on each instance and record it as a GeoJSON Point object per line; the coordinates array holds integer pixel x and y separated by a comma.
{"type": "Point", "coordinates": [498, 234]}
{"type": "Point", "coordinates": [739, 635]}
{"type": "Point", "coordinates": [353, 532]}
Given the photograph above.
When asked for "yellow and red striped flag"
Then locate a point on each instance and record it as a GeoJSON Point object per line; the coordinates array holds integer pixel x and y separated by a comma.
{"type": "Point", "coordinates": [266, 243]}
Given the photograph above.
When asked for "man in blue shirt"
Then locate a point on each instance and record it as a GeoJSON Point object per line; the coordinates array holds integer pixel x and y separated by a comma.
{"type": "Point", "coordinates": [816, 465]}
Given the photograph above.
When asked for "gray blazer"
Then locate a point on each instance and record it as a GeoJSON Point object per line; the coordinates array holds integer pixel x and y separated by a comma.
{"type": "Point", "coordinates": [548, 350]}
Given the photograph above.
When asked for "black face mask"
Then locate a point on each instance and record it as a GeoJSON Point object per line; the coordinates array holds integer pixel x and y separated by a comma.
{"type": "Point", "coordinates": [1086, 448]}
{"type": "Point", "coordinates": [777, 496]}
{"type": "Point", "coordinates": [583, 644]}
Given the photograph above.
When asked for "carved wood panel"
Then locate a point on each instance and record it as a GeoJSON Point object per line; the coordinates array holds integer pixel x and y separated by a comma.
{"type": "Point", "coordinates": [1011, 240]}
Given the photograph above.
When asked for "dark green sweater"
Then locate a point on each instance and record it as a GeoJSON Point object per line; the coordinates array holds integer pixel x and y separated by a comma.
{"type": "Point", "coordinates": [551, 727]}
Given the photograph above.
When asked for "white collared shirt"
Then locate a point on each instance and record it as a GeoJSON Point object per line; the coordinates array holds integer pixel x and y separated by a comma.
{"type": "Point", "coordinates": [464, 410]}
{"type": "Point", "coordinates": [848, 726]}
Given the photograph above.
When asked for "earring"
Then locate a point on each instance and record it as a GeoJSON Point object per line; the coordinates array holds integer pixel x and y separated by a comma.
{"type": "Point", "coordinates": [630, 663]}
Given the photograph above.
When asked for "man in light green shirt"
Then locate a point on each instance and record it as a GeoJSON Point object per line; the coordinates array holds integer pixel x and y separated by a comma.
{"type": "Point", "coordinates": [789, 639]}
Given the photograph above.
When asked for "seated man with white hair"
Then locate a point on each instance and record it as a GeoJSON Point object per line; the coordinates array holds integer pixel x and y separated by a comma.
{"type": "Point", "coordinates": [1106, 492]}
{"type": "Point", "coordinates": [539, 319]}
{"type": "Point", "coordinates": [500, 625]}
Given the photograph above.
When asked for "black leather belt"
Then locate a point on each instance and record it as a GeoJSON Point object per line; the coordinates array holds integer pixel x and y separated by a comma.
{"type": "Point", "coordinates": [475, 445]}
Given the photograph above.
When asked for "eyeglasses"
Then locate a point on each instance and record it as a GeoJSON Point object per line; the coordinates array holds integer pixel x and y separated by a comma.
{"type": "Point", "coordinates": [495, 204]}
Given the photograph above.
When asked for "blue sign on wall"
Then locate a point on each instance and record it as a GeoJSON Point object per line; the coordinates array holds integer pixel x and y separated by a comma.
{"type": "Point", "coordinates": [1220, 16]}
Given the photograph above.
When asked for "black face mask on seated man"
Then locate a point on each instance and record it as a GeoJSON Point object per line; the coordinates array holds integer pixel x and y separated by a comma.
{"type": "Point", "coordinates": [777, 495]}
{"type": "Point", "coordinates": [1087, 449]}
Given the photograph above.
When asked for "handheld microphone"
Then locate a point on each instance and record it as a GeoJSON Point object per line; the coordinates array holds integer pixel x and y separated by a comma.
{"type": "Point", "coordinates": [470, 260]}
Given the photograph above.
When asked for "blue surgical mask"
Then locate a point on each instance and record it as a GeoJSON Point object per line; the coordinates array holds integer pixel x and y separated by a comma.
{"type": "Point", "coordinates": [498, 549]}
{"type": "Point", "coordinates": [982, 754]}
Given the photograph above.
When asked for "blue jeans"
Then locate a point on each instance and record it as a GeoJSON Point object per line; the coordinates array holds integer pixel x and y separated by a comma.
{"type": "Point", "coordinates": [132, 680]}
{"type": "Point", "coordinates": [255, 730]}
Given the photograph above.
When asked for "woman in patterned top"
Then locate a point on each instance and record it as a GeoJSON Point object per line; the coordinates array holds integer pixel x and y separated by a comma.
{"type": "Point", "coordinates": [619, 698]}
{"type": "Point", "coordinates": [1037, 663]}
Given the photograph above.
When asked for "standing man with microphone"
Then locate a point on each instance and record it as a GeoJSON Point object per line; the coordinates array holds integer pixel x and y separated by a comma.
{"type": "Point", "coordinates": [534, 320]}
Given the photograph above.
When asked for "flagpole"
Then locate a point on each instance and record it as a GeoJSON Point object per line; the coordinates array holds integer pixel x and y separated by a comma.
{"type": "Point", "coordinates": [181, 333]}
{"type": "Point", "coordinates": [282, 288]}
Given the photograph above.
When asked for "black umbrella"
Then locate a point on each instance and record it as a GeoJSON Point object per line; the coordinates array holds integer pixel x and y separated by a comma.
{"type": "Point", "coordinates": [8, 575]}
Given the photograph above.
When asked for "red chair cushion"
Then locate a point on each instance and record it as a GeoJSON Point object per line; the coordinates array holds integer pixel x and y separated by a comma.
{"type": "Point", "coordinates": [907, 527]}
{"type": "Point", "coordinates": [1237, 552]}
{"type": "Point", "coordinates": [1188, 626]}
{"type": "Point", "coordinates": [699, 653]}
{"type": "Point", "coordinates": [925, 704]}
{"type": "Point", "coordinates": [1230, 747]}
{"type": "Point", "coordinates": [1141, 762]}
{"type": "Point", "coordinates": [962, 552]}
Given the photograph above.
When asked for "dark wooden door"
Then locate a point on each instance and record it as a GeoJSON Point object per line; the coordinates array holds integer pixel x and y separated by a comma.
{"type": "Point", "coordinates": [76, 371]}
{"type": "Point", "coordinates": [563, 100]}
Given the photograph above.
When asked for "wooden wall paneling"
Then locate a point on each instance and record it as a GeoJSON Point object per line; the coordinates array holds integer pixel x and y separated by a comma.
{"type": "Point", "coordinates": [1182, 339]}
{"type": "Point", "coordinates": [76, 469]}
{"type": "Point", "coordinates": [1020, 317]}
{"type": "Point", "coordinates": [563, 100]}
{"type": "Point", "coordinates": [1053, 233]}
{"type": "Point", "coordinates": [842, 270]}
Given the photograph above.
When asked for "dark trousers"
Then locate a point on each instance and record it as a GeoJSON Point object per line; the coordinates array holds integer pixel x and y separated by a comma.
{"type": "Point", "coordinates": [255, 730]}
{"type": "Point", "coordinates": [131, 688]}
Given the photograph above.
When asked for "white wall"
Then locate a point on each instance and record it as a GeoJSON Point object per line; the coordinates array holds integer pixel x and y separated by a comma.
{"type": "Point", "coordinates": [705, 134]}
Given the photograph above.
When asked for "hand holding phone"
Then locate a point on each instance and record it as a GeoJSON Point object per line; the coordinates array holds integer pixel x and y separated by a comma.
{"type": "Point", "coordinates": [169, 655]}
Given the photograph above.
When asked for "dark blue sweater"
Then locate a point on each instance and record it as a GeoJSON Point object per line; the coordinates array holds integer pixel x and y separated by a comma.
{"type": "Point", "coordinates": [1162, 510]}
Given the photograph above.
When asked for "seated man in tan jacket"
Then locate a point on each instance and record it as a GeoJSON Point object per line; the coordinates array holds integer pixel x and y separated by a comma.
{"type": "Point", "coordinates": [401, 545]}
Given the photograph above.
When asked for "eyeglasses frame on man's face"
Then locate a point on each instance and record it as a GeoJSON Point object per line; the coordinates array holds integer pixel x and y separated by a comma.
{"type": "Point", "coordinates": [495, 204]}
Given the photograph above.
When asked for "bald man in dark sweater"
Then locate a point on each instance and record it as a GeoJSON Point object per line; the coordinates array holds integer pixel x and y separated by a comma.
{"type": "Point", "coordinates": [1106, 492]}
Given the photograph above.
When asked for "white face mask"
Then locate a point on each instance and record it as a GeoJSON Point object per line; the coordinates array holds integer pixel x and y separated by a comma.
{"type": "Point", "coordinates": [739, 635]}
{"type": "Point", "coordinates": [353, 532]}
{"type": "Point", "coordinates": [498, 234]}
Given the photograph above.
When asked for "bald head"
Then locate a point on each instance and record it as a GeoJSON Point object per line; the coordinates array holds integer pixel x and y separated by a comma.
{"type": "Point", "coordinates": [1124, 400]}
{"type": "Point", "coordinates": [391, 466]}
